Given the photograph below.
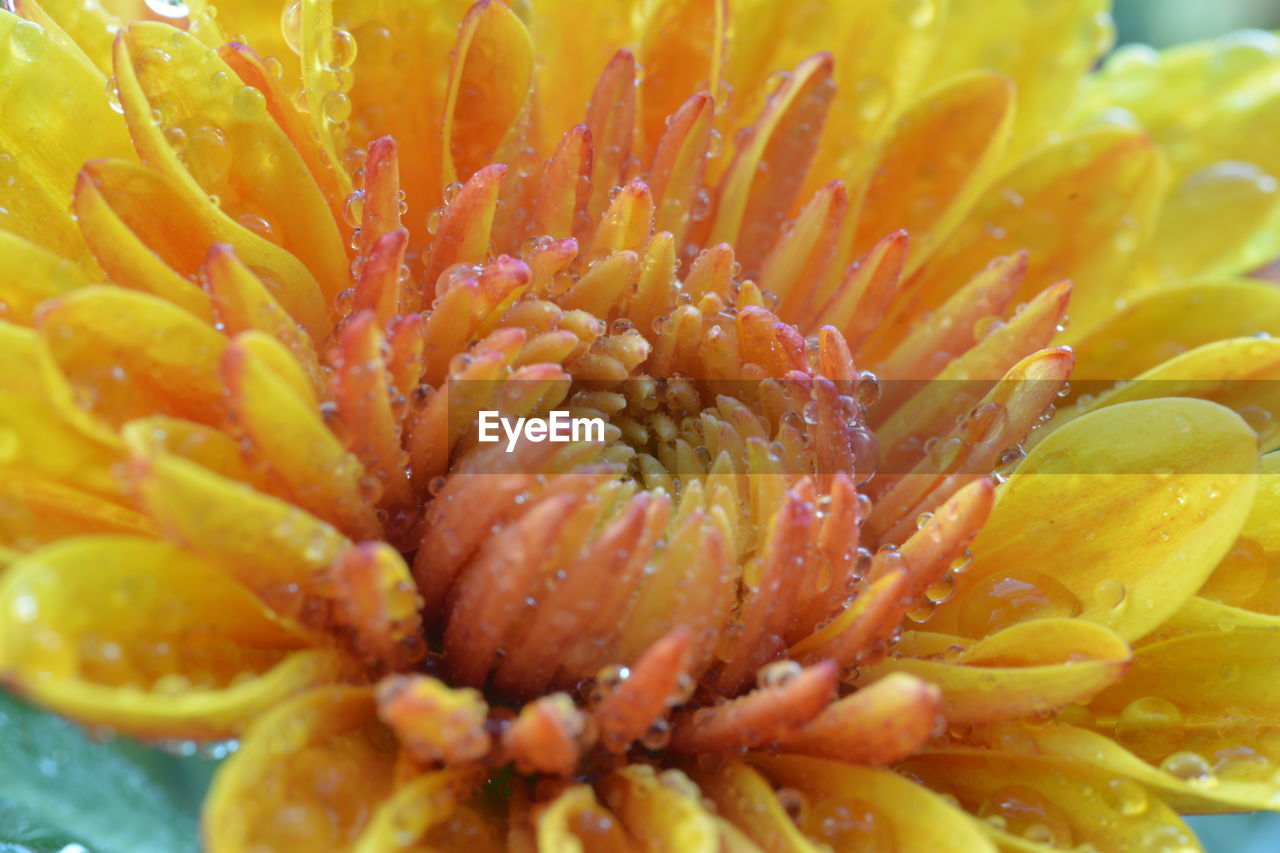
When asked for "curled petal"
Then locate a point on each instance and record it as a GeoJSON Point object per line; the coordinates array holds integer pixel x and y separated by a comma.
{"type": "Point", "coordinates": [662, 812]}
{"type": "Point", "coordinates": [274, 773]}
{"type": "Point", "coordinates": [114, 646]}
{"type": "Point", "coordinates": [545, 737]}
{"type": "Point", "coordinates": [434, 722]}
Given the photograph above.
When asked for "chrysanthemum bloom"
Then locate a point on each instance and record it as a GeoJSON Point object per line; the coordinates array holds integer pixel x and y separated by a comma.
{"type": "Point", "coordinates": [263, 269]}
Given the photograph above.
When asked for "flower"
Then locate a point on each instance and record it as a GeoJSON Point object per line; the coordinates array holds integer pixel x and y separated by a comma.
{"type": "Point", "coordinates": [789, 601]}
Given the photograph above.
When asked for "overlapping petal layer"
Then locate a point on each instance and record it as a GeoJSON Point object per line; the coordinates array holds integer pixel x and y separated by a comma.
{"type": "Point", "coordinates": [247, 325]}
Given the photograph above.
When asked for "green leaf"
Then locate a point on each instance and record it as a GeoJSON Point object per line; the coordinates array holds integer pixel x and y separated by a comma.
{"type": "Point", "coordinates": [59, 788]}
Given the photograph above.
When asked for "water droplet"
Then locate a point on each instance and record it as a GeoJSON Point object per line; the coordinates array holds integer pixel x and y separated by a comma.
{"type": "Point", "coordinates": [353, 209]}
{"type": "Point", "coordinates": [27, 41]}
{"type": "Point", "coordinates": [291, 26]}
{"type": "Point", "coordinates": [1007, 598]}
{"type": "Point", "coordinates": [1027, 812]}
{"type": "Point", "coordinates": [794, 803]}
{"type": "Point", "coordinates": [917, 14]}
{"type": "Point", "coordinates": [248, 103]}
{"type": "Point", "coordinates": [343, 45]}
{"type": "Point", "coordinates": [778, 673]}
{"type": "Point", "coordinates": [1151, 727]}
{"type": "Point", "coordinates": [941, 589]}
{"type": "Point", "coordinates": [1190, 767]}
{"type": "Point", "coordinates": [657, 736]}
{"type": "Point", "coordinates": [1127, 797]}
{"type": "Point", "coordinates": [1109, 593]}
{"type": "Point", "coordinates": [336, 106]}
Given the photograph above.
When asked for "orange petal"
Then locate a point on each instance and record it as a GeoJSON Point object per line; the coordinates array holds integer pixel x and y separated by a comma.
{"type": "Point", "coordinates": [644, 696]}
{"type": "Point", "coordinates": [544, 738]}
{"type": "Point", "coordinates": [753, 201]}
{"type": "Point", "coordinates": [432, 721]}
{"type": "Point", "coordinates": [488, 87]}
{"type": "Point", "coordinates": [682, 48]}
{"type": "Point", "coordinates": [880, 724]}
{"type": "Point", "coordinates": [760, 718]}
{"type": "Point", "coordinates": [974, 113]}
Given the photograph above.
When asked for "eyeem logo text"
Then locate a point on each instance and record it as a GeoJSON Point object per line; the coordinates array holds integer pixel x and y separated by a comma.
{"type": "Point", "coordinates": [557, 426]}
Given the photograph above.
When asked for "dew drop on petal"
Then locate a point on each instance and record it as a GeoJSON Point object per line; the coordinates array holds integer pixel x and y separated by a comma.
{"type": "Point", "coordinates": [1151, 727]}
{"type": "Point", "coordinates": [1126, 797]}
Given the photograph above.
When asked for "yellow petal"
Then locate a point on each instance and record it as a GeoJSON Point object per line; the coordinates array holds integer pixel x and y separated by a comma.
{"type": "Point", "coordinates": [20, 361]}
{"type": "Point", "coordinates": [415, 808]}
{"type": "Point", "coordinates": [1081, 208]}
{"type": "Point", "coordinates": [589, 32]}
{"type": "Point", "coordinates": [575, 822]}
{"type": "Point", "coordinates": [41, 443]}
{"type": "Point", "coordinates": [1118, 517]}
{"type": "Point", "coordinates": [1205, 102]}
{"type": "Point", "coordinates": [38, 510]}
{"type": "Point", "coordinates": [206, 446]}
{"type": "Point", "coordinates": [268, 544]}
{"type": "Point", "coordinates": [1221, 219]}
{"type": "Point", "coordinates": [90, 27]}
{"type": "Point", "coordinates": [682, 49]}
{"type": "Point", "coordinates": [661, 813]}
{"type": "Point", "coordinates": [32, 275]}
{"type": "Point", "coordinates": [276, 411]}
{"type": "Point", "coordinates": [179, 225]}
{"type": "Point", "coordinates": [244, 303]}
{"type": "Point", "coordinates": [883, 49]}
{"type": "Point", "coordinates": [219, 140]}
{"type": "Point", "coordinates": [887, 810]}
{"type": "Point", "coordinates": [1058, 742]}
{"type": "Point", "coordinates": [100, 628]}
{"type": "Point", "coordinates": [130, 354]}
{"type": "Point", "coordinates": [752, 200]}
{"type": "Point", "coordinates": [309, 775]}
{"type": "Point", "coordinates": [1167, 322]}
{"type": "Point", "coordinates": [1208, 694]}
{"type": "Point", "coordinates": [1045, 51]}
{"type": "Point", "coordinates": [1035, 804]}
{"type": "Point", "coordinates": [122, 252]}
{"type": "Point", "coordinates": [745, 798]}
{"type": "Point", "coordinates": [1239, 374]}
{"type": "Point", "coordinates": [1026, 669]}
{"type": "Point", "coordinates": [51, 95]}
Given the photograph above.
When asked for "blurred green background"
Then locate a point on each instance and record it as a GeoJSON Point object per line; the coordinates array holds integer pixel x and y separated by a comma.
{"type": "Point", "coordinates": [1161, 23]}
{"type": "Point", "coordinates": [1166, 22]}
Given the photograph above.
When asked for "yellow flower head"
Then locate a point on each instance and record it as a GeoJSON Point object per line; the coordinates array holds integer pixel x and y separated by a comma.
{"type": "Point", "coordinates": [837, 576]}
